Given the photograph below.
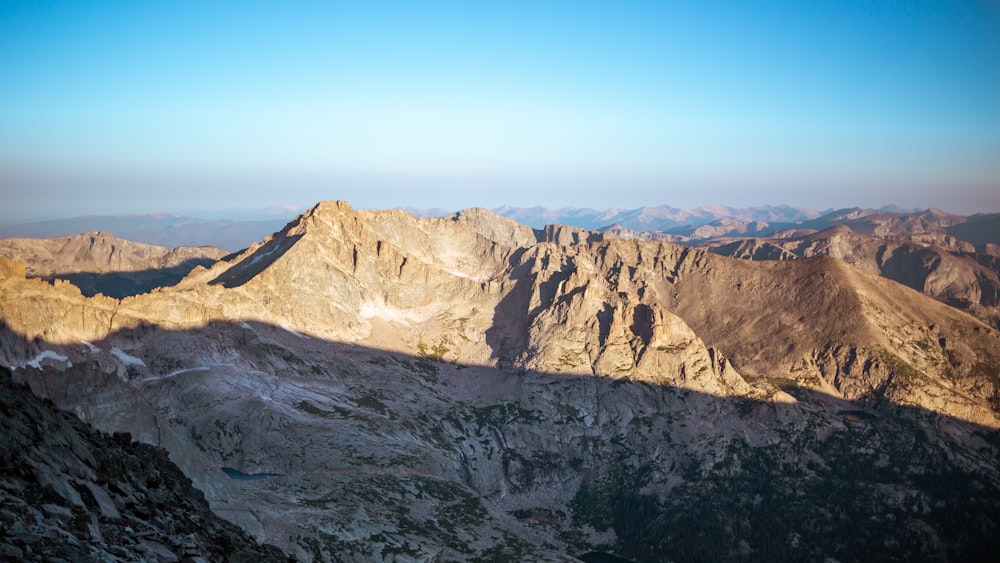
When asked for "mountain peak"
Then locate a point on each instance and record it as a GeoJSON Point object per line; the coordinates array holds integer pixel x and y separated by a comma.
{"type": "Point", "coordinates": [330, 206]}
{"type": "Point", "coordinates": [495, 227]}
{"type": "Point", "coordinates": [326, 211]}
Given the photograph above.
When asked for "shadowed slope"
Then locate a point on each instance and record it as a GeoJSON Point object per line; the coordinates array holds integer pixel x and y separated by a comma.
{"type": "Point", "coordinates": [73, 494]}
{"type": "Point", "coordinates": [372, 453]}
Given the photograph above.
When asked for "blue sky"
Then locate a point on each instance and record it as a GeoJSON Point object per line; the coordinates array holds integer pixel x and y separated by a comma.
{"type": "Point", "coordinates": [156, 106]}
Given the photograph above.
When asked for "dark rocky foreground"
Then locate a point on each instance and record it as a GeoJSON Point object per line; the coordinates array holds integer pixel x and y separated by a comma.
{"type": "Point", "coordinates": [69, 493]}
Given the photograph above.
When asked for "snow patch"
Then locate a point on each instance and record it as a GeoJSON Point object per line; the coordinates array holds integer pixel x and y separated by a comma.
{"type": "Point", "coordinates": [293, 331]}
{"type": "Point", "coordinates": [459, 274]}
{"type": "Point", "coordinates": [180, 371]}
{"type": "Point", "coordinates": [262, 255]}
{"type": "Point", "coordinates": [385, 312]}
{"type": "Point", "coordinates": [126, 359]}
{"type": "Point", "coordinates": [175, 373]}
{"type": "Point", "coordinates": [36, 362]}
{"type": "Point", "coordinates": [90, 347]}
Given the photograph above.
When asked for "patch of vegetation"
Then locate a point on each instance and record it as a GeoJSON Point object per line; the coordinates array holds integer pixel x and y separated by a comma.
{"type": "Point", "coordinates": [994, 401]}
{"type": "Point", "coordinates": [539, 515]}
{"type": "Point", "coordinates": [512, 549]}
{"type": "Point", "coordinates": [321, 502]}
{"type": "Point", "coordinates": [566, 413]}
{"type": "Point", "coordinates": [435, 352]}
{"type": "Point", "coordinates": [265, 349]}
{"type": "Point", "coordinates": [162, 365]}
{"type": "Point", "coordinates": [309, 408]}
{"type": "Point", "coordinates": [783, 383]}
{"type": "Point", "coordinates": [422, 365]}
{"type": "Point", "coordinates": [865, 489]}
{"type": "Point", "coordinates": [617, 504]}
{"type": "Point", "coordinates": [378, 361]}
{"type": "Point", "coordinates": [503, 414]}
{"type": "Point", "coordinates": [987, 366]}
{"type": "Point", "coordinates": [372, 403]}
{"type": "Point", "coordinates": [899, 367]}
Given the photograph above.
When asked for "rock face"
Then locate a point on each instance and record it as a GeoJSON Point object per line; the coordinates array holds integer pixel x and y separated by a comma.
{"type": "Point", "coordinates": [69, 493]}
{"type": "Point", "coordinates": [366, 385]}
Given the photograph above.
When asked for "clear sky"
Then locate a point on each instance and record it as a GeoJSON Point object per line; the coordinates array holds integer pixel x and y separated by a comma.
{"type": "Point", "coordinates": [154, 106]}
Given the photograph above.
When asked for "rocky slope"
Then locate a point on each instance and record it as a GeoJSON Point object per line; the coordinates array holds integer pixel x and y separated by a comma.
{"type": "Point", "coordinates": [379, 385]}
{"type": "Point", "coordinates": [967, 280]}
{"type": "Point", "coordinates": [98, 262]}
{"type": "Point", "coordinates": [68, 493]}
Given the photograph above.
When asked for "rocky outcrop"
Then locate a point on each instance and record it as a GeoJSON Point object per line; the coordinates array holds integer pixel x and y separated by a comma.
{"type": "Point", "coordinates": [56, 312]}
{"type": "Point", "coordinates": [68, 493]}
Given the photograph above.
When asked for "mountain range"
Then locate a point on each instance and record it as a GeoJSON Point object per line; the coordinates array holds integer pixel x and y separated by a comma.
{"type": "Point", "coordinates": [372, 385]}
{"type": "Point", "coordinates": [241, 229]}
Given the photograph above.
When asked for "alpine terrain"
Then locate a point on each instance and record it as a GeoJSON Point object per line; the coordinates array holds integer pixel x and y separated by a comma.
{"type": "Point", "coordinates": [373, 386]}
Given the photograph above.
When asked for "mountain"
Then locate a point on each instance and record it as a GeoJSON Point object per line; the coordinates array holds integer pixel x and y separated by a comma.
{"type": "Point", "coordinates": [657, 218]}
{"type": "Point", "coordinates": [980, 229]}
{"type": "Point", "coordinates": [949, 257]}
{"type": "Point", "coordinates": [363, 385]}
{"type": "Point", "coordinates": [965, 280]}
{"type": "Point", "coordinates": [931, 226]}
{"type": "Point", "coordinates": [161, 229]}
{"type": "Point", "coordinates": [98, 262]}
{"type": "Point", "coordinates": [430, 212]}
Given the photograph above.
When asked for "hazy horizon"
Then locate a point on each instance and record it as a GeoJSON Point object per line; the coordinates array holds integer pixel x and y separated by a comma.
{"type": "Point", "coordinates": [131, 108]}
{"type": "Point", "coordinates": [287, 211]}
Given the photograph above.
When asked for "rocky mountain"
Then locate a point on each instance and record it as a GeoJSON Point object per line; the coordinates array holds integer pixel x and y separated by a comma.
{"type": "Point", "coordinates": [981, 230]}
{"type": "Point", "coordinates": [977, 233]}
{"type": "Point", "coordinates": [967, 280]}
{"type": "Point", "coordinates": [99, 262]}
{"type": "Point", "coordinates": [367, 385]}
{"type": "Point", "coordinates": [931, 226]}
{"type": "Point", "coordinates": [69, 493]}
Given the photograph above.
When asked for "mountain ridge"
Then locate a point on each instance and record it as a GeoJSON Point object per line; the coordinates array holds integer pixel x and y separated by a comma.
{"type": "Point", "coordinates": [359, 275]}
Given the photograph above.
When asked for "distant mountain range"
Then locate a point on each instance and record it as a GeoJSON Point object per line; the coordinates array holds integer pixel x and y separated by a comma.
{"type": "Point", "coordinates": [161, 229]}
{"type": "Point", "coordinates": [240, 229]}
{"type": "Point", "coordinates": [655, 218]}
